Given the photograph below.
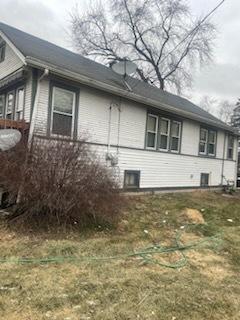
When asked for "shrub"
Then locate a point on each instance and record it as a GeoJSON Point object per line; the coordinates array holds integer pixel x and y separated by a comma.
{"type": "Point", "coordinates": [60, 183]}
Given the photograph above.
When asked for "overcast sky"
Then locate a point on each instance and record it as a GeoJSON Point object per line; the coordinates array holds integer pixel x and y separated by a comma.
{"type": "Point", "coordinates": [49, 19]}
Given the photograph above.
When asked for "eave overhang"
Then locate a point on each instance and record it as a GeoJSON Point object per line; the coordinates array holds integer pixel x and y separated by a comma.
{"type": "Point", "coordinates": [62, 72]}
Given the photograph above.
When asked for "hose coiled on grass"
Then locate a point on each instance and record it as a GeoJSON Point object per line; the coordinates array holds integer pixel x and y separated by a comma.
{"type": "Point", "coordinates": [146, 254]}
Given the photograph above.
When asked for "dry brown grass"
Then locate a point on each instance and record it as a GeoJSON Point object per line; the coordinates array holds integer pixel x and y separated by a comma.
{"type": "Point", "coordinates": [207, 288]}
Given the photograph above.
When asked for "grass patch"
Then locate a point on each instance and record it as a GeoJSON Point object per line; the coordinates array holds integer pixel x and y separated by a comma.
{"type": "Point", "coordinates": [207, 288]}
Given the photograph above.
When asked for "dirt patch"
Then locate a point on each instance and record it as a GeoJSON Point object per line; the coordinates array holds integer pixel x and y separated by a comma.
{"type": "Point", "coordinates": [192, 216]}
{"type": "Point", "coordinates": [211, 265]}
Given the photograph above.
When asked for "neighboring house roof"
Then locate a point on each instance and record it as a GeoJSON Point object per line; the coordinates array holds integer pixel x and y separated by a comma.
{"type": "Point", "coordinates": [40, 50]}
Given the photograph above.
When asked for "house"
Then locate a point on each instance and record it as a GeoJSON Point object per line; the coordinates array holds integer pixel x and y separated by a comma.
{"type": "Point", "coordinates": [151, 138]}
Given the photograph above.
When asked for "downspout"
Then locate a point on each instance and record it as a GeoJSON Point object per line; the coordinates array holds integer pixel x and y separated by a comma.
{"type": "Point", "coordinates": [34, 112]}
{"type": "Point", "coordinates": [223, 161]}
{"type": "Point", "coordinates": [109, 129]}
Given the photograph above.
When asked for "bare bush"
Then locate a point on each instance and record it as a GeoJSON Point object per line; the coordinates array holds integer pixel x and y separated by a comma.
{"type": "Point", "coordinates": [61, 183]}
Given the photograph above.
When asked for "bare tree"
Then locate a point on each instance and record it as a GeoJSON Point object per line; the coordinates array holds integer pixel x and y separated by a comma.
{"type": "Point", "coordinates": [147, 32]}
{"type": "Point", "coordinates": [225, 111]}
{"type": "Point", "coordinates": [208, 103]}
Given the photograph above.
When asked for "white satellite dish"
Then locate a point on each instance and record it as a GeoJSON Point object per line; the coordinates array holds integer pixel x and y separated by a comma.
{"type": "Point", "coordinates": [9, 138]}
{"type": "Point", "coordinates": [124, 67]}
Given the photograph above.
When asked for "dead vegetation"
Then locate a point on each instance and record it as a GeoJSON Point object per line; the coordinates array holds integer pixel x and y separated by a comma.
{"type": "Point", "coordinates": [60, 183]}
{"type": "Point", "coordinates": [207, 288]}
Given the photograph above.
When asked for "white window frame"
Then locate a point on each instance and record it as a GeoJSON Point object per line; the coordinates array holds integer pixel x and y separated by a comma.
{"type": "Point", "coordinates": [4, 102]}
{"type": "Point", "coordinates": [6, 106]}
{"type": "Point", "coordinates": [17, 111]}
{"type": "Point", "coordinates": [63, 113]}
{"type": "Point", "coordinates": [2, 51]}
{"type": "Point", "coordinates": [150, 131]}
{"type": "Point", "coordinates": [204, 141]}
{"type": "Point", "coordinates": [164, 134]}
{"type": "Point", "coordinates": [232, 148]}
{"type": "Point", "coordinates": [215, 139]}
{"type": "Point", "coordinates": [178, 137]}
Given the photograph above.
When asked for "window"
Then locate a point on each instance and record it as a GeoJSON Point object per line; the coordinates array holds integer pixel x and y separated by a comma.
{"type": "Point", "coordinates": [175, 136]}
{"type": "Point", "coordinates": [164, 134]}
{"type": "Point", "coordinates": [63, 102]}
{"type": "Point", "coordinates": [1, 105]}
{"type": "Point", "coordinates": [203, 141]}
{"type": "Point", "coordinates": [207, 144]}
{"type": "Point", "coordinates": [230, 147]}
{"type": "Point", "coordinates": [204, 179]}
{"type": "Point", "coordinates": [131, 179]}
{"type": "Point", "coordinates": [2, 51]}
{"type": "Point", "coordinates": [211, 142]}
{"type": "Point", "coordinates": [20, 104]}
{"type": "Point", "coordinates": [9, 106]}
{"type": "Point", "coordinates": [152, 124]}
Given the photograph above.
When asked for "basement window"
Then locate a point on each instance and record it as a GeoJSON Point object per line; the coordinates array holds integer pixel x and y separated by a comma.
{"type": "Point", "coordinates": [230, 147]}
{"type": "Point", "coordinates": [131, 179]}
{"type": "Point", "coordinates": [2, 51]}
{"type": "Point", "coordinates": [63, 102]}
{"type": "Point", "coordinates": [204, 179]}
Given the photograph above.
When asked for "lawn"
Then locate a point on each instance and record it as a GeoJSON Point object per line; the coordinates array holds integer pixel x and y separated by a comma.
{"type": "Point", "coordinates": [208, 287]}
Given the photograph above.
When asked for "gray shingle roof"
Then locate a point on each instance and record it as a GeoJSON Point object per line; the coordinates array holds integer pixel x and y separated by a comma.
{"type": "Point", "coordinates": [31, 46]}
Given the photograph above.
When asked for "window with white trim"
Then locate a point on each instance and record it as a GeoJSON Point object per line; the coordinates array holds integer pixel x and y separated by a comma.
{"type": "Point", "coordinates": [203, 141]}
{"type": "Point", "coordinates": [175, 136]}
{"type": "Point", "coordinates": [152, 127]}
{"type": "Point", "coordinates": [2, 100]}
{"type": "Point", "coordinates": [230, 147]}
{"type": "Point", "coordinates": [9, 105]}
{"type": "Point", "coordinates": [20, 104]}
{"type": "Point", "coordinates": [164, 134]}
{"type": "Point", "coordinates": [2, 50]}
{"type": "Point", "coordinates": [207, 144]}
{"type": "Point", "coordinates": [63, 102]}
{"type": "Point", "coordinates": [211, 142]}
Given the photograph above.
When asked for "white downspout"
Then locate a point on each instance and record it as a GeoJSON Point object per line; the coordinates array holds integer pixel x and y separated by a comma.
{"type": "Point", "coordinates": [34, 114]}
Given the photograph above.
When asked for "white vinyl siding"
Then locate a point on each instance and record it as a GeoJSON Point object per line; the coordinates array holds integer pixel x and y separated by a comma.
{"type": "Point", "coordinates": [10, 63]}
{"type": "Point", "coordinates": [157, 169]}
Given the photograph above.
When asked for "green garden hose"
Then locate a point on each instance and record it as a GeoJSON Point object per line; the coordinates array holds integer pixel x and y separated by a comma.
{"type": "Point", "coordinates": [146, 254]}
